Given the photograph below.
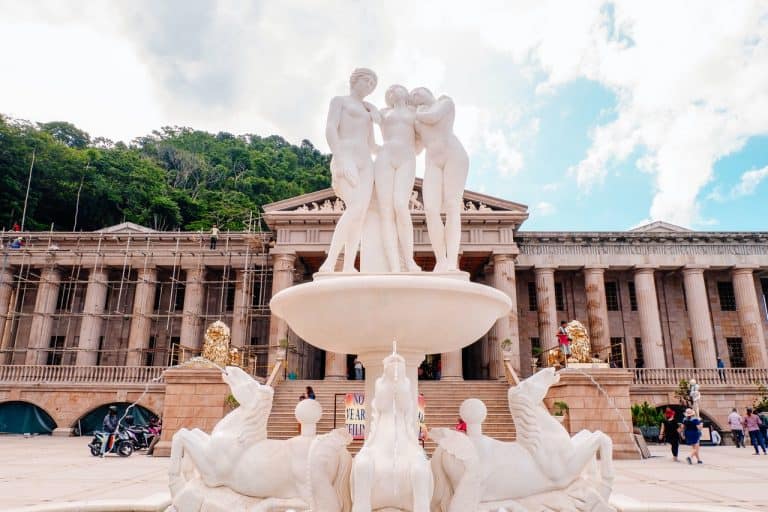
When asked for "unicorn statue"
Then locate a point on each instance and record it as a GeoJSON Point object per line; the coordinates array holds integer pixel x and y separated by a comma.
{"type": "Point", "coordinates": [545, 469]}
{"type": "Point", "coordinates": [391, 472]}
{"type": "Point", "coordinates": [237, 468]}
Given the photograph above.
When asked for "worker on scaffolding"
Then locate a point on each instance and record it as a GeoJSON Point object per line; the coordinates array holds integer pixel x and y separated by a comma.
{"type": "Point", "coordinates": [214, 236]}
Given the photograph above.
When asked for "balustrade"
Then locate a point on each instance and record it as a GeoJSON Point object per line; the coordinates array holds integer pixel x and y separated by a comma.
{"type": "Point", "coordinates": [17, 374]}
{"type": "Point", "coordinates": [704, 376]}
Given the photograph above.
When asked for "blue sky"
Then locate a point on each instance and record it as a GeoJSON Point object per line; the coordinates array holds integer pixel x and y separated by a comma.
{"type": "Point", "coordinates": [597, 114]}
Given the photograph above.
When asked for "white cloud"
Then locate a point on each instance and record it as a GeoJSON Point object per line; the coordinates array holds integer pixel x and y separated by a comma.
{"type": "Point", "coordinates": [749, 182]}
{"type": "Point", "coordinates": [544, 208]}
{"type": "Point", "coordinates": [691, 80]}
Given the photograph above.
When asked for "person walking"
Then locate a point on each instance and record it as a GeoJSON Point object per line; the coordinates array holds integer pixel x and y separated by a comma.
{"type": "Point", "coordinates": [214, 236]}
{"type": "Point", "coordinates": [752, 425]}
{"type": "Point", "coordinates": [735, 422]}
{"type": "Point", "coordinates": [692, 431]}
{"type": "Point", "coordinates": [670, 432]}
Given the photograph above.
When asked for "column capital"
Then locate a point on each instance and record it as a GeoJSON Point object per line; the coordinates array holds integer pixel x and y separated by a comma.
{"type": "Point", "coordinates": [695, 269]}
{"type": "Point", "coordinates": [645, 269]}
{"type": "Point", "coordinates": [503, 257]}
{"type": "Point", "coordinates": [596, 269]}
{"type": "Point", "coordinates": [744, 269]}
{"type": "Point", "coordinates": [283, 261]}
{"type": "Point", "coordinates": [544, 270]}
{"type": "Point", "coordinates": [512, 251]}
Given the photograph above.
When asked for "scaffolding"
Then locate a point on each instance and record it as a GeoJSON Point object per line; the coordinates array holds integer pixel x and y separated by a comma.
{"type": "Point", "coordinates": [126, 255]}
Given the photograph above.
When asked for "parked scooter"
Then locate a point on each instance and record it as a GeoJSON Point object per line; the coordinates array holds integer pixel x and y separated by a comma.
{"type": "Point", "coordinates": [120, 443]}
{"type": "Point", "coordinates": [140, 436]}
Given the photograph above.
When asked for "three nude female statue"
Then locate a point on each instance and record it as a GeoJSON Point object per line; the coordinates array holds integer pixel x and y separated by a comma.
{"type": "Point", "coordinates": [411, 122]}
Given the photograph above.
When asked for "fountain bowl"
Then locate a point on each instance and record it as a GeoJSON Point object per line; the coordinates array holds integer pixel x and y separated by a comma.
{"type": "Point", "coordinates": [424, 312]}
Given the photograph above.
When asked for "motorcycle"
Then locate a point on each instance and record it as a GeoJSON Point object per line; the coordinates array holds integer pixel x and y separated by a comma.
{"type": "Point", "coordinates": [140, 436]}
{"type": "Point", "coordinates": [122, 444]}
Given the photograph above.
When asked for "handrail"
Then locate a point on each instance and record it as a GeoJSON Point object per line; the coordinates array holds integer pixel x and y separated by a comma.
{"type": "Point", "coordinates": [512, 378]}
{"type": "Point", "coordinates": [704, 376]}
{"type": "Point", "coordinates": [273, 380]}
{"type": "Point", "coordinates": [18, 374]}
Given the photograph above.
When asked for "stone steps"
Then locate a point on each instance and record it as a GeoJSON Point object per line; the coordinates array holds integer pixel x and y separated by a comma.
{"type": "Point", "coordinates": [442, 406]}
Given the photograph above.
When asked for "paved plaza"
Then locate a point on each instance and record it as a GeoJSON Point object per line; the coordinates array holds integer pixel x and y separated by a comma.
{"type": "Point", "coordinates": [46, 470]}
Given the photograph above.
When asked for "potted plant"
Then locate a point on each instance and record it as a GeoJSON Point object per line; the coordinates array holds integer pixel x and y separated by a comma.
{"type": "Point", "coordinates": [648, 419]}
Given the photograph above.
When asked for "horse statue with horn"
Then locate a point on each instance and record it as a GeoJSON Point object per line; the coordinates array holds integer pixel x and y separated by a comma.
{"type": "Point", "coordinates": [545, 469]}
{"type": "Point", "coordinates": [237, 468]}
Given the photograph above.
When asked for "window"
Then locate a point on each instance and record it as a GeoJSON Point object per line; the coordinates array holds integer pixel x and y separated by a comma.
{"type": "Point", "coordinates": [736, 352]}
{"type": "Point", "coordinates": [764, 284]}
{"type": "Point", "coordinates": [727, 297]}
{"type": "Point", "coordinates": [639, 359]}
{"type": "Point", "coordinates": [535, 347]}
{"type": "Point", "coordinates": [149, 354]}
{"type": "Point", "coordinates": [178, 300]}
{"type": "Point", "coordinates": [559, 297]}
{"type": "Point", "coordinates": [66, 294]}
{"type": "Point", "coordinates": [533, 303]}
{"type": "Point", "coordinates": [616, 357]}
{"type": "Point", "coordinates": [685, 298]}
{"type": "Point", "coordinates": [99, 354]}
{"type": "Point", "coordinates": [158, 296]}
{"type": "Point", "coordinates": [57, 350]}
{"type": "Point", "coordinates": [632, 296]}
{"type": "Point", "coordinates": [230, 296]}
{"type": "Point", "coordinates": [612, 295]}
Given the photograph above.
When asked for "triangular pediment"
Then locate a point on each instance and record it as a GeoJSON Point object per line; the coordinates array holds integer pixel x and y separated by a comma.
{"type": "Point", "coordinates": [659, 226]}
{"type": "Point", "coordinates": [126, 227]}
{"type": "Point", "coordinates": [325, 201]}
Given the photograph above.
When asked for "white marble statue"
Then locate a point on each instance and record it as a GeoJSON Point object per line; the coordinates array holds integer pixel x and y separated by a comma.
{"type": "Point", "coordinates": [695, 396]}
{"type": "Point", "coordinates": [237, 468]}
{"type": "Point", "coordinates": [391, 472]}
{"type": "Point", "coordinates": [395, 173]}
{"type": "Point", "coordinates": [445, 175]}
{"type": "Point", "coordinates": [545, 469]}
{"type": "Point", "coordinates": [349, 132]}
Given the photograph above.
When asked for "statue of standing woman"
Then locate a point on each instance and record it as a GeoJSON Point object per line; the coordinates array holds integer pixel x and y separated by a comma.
{"type": "Point", "coordinates": [445, 175]}
{"type": "Point", "coordinates": [395, 172]}
{"type": "Point", "coordinates": [349, 132]}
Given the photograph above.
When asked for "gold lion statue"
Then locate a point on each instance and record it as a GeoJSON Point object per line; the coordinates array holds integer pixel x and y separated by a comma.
{"type": "Point", "coordinates": [581, 348]}
{"type": "Point", "coordinates": [216, 344]}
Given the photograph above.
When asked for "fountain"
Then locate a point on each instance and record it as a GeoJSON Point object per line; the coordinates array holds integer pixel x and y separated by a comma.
{"type": "Point", "coordinates": [391, 314]}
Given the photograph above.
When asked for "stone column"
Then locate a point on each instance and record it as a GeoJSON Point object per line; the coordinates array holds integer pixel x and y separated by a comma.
{"type": "Point", "coordinates": [93, 320]}
{"type": "Point", "coordinates": [597, 309]}
{"type": "Point", "coordinates": [506, 327]}
{"type": "Point", "coordinates": [191, 322]}
{"type": "Point", "coordinates": [242, 306]}
{"type": "Point", "coordinates": [42, 321]}
{"type": "Point", "coordinates": [450, 366]}
{"type": "Point", "coordinates": [650, 322]}
{"type": "Point", "coordinates": [335, 366]}
{"type": "Point", "coordinates": [141, 321]}
{"type": "Point", "coordinates": [704, 354]}
{"type": "Point", "coordinates": [282, 277]}
{"type": "Point", "coordinates": [6, 292]}
{"type": "Point", "coordinates": [749, 318]}
{"type": "Point", "coordinates": [545, 296]}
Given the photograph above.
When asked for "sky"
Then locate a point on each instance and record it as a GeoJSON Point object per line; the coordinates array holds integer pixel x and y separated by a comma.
{"type": "Point", "coordinates": [598, 115]}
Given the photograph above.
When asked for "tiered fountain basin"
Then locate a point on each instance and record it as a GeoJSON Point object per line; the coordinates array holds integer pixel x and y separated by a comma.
{"type": "Point", "coordinates": [424, 312]}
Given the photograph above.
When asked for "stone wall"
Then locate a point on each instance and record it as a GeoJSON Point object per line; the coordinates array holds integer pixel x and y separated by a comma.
{"type": "Point", "coordinates": [589, 409]}
{"type": "Point", "coordinates": [67, 403]}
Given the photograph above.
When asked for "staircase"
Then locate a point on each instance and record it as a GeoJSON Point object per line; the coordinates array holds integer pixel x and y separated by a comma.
{"type": "Point", "coordinates": [443, 399]}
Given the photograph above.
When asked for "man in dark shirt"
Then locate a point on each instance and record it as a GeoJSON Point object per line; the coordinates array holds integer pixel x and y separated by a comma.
{"type": "Point", "coordinates": [109, 425]}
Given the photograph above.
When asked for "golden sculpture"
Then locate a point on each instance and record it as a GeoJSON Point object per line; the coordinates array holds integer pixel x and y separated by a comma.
{"type": "Point", "coordinates": [216, 344]}
{"type": "Point", "coordinates": [581, 348]}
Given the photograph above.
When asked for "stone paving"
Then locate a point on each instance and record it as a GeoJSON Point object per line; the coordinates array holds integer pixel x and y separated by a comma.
{"type": "Point", "coordinates": [43, 470]}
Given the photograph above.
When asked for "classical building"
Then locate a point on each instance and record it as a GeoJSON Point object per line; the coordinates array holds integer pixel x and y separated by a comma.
{"type": "Point", "coordinates": [658, 296]}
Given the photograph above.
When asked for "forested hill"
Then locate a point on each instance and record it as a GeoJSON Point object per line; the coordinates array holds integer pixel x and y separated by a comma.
{"type": "Point", "coordinates": [175, 178]}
